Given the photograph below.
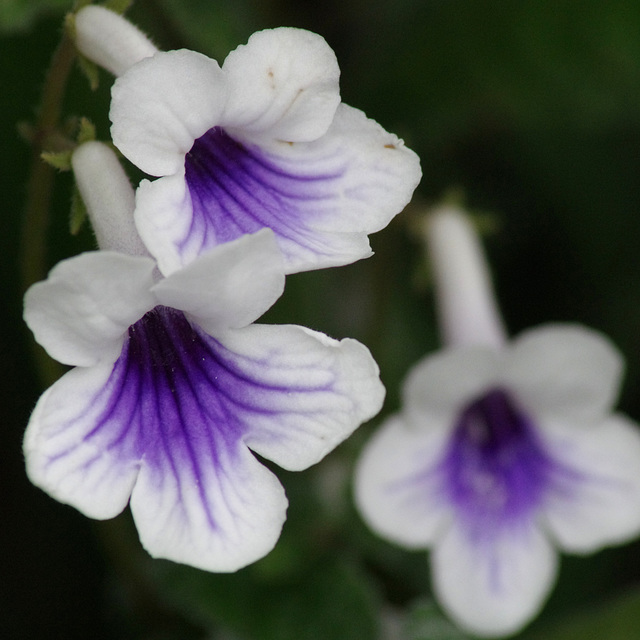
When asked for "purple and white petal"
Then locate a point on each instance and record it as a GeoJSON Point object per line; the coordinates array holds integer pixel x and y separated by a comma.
{"type": "Point", "coordinates": [173, 406]}
{"type": "Point", "coordinates": [320, 198]}
{"type": "Point", "coordinates": [206, 501]}
{"type": "Point", "coordinates": [564, 371]}
{"type": "Point", "coordinates": [603, 506]}
{"type": "Point", "coordinates": [164, 103]}
{"type": "Point", "coordinates": [308, 392]}
{"type": "Point", "coordinates": [398, 486]}
{"type": "Point", "coordinates": [230, 286]}
{"type": "Point", "coordinates": [81, 313]}
{"type": "Point", "coordinates": [283, 85]}
{"type": "Point", "coordinates": [80, 446]}
{"type": "Point", "coordinates": [493, 585]}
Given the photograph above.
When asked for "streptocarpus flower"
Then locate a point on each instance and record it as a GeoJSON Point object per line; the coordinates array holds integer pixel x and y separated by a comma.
{"type": "Point", "coordinates": [502, 451]}
{"type": "Point", "coordinates": [262, 141]}
{"type": "Point", "coordinates": [174, 388]}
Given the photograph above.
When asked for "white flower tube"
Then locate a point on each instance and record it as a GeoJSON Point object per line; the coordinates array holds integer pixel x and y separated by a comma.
{"type": "Point", "coordinates": [468, 313]}
{"type": "Point", "coordinates": [110, 40]}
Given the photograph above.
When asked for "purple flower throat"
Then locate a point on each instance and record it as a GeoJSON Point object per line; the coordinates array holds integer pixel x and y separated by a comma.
{"type": "Point", "coordinates": [496, 469]}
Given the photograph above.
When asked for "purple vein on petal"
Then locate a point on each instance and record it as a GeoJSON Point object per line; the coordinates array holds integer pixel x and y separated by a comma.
{"type": "Point", "coordinates": [236, 190]}
{"type": "Point", "coordinates": [180, 402]}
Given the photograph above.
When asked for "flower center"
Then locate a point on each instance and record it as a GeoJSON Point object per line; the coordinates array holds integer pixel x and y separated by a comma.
{"type": "Point", "coordinates": [186, 377]}
{"type": "Point", "coordinates": [496, 468]}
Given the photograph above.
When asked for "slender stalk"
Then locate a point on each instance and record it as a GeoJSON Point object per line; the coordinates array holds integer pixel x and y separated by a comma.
{"type": "Point", "coordinates": [33, 250]}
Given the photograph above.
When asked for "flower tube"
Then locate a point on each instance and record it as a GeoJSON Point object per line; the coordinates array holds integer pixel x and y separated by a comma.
{"type": "Point", "coordinates": [174, 387]}
{"type": "Point", "coordinates": [503, 451]}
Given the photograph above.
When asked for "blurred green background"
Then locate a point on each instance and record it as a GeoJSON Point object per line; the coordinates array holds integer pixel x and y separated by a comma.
{"type": "Point", "coordinates": [532, 110]}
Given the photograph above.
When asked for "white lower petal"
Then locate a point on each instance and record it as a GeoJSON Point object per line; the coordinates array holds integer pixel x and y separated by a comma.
{"type": "Point", "coordinates": [563, 371]}
{"type": "Point", "coordinates": [88, 468]}
{"type": "Point", "coordinates": [493, 586]}
{"type": "Point", "coordinates": [602, 503]}
{"type": "Point", "coordinates": [309, 392]}
{"type": "Point", "coordinates": [164, 103]}
{"type": "Point", "coordinates": [397, 484]}
{"type": "Point", "coordinates": [81, 312]}
{"type": "Point", "coordinates": [217, 509]}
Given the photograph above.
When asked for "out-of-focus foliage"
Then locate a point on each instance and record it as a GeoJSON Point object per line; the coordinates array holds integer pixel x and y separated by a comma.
{"type": "Point", "coordinates": [532, 109]}
{"type": "Point", "coordinates": [18, 15]}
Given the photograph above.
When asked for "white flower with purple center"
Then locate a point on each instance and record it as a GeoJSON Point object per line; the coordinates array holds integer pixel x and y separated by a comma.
{"type": "Point", "coordinates": [502, 452]}
{"type": "Point", "coordinates": [263, 141]}
{"type": "Point", "coordinates": [174, 389]}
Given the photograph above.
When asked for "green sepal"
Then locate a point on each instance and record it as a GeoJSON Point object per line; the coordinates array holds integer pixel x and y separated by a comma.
{"type": "Point", "coordinates": [118, 6]}
{"type": "Point", "coordinates": [86, 131]}
{"type": "Point", "coordinates": [78, 214]}
{"type": "Point", "coordinates": [58, 159]}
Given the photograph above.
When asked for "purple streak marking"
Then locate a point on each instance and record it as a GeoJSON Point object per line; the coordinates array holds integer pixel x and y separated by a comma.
{"type": "Point", "coordinates": [237, 189]}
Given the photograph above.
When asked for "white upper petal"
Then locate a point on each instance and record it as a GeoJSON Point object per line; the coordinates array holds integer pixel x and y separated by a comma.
{"type": "Point", "coordinates": [600, 505]}
{"type": "Point", "coordinates": [217, 516]}
{"type": "Point", "coordinates": [81, 312]}
{"type": "Point", "coordinates": [161, 105]}
{"type": "Point", "coordinates": [67, 456]}
{"type": "Point", "coordinates": [283, 85]}
{"type": "Point", "coordinates": [397, 487]}
{"type": "Point", "coordinates": [440, 385]}
{"type": "Point", "coordinates": [309, 392]}
{"type": "Point", "coordinates": [228, 287]}
{"type": "Point", "coordinates": [493, 587]}
{"type": "Point", "coordinates": [564, 370]}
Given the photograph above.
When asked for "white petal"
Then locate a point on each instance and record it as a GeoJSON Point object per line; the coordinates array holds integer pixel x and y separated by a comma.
{"type": "Point", "coordinates": [440, 385]}
{"type": "Point", "coordinates": [162, 105]}
{"type": "Point", "coordinates": [165, 221]}
{"type": "Point", "coordinates": [599, 502]}
{"type": "Point", "coordinates": [495, 586]}
{"type": "Point", "coordinates": [564, 370]}
{"type": "Point", "coordinates": [218, 510]}
{"type": "Point", "coordinates": [109, 39]}
{"type": "Point", "coordinates": [283, 85]}
{"type": "Point", "coordinates": [397, 486]}
{"type": "Point", "coordinates": [230, 286]}
{"type": "Point", "coordinates": [67, 453]}
{"type": "Point", "coordinates": [83, 309]}
{"type": "Point", "coordinates": [302, 393]}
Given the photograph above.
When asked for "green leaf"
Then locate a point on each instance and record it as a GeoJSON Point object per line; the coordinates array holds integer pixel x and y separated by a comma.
{"type": "Point", "coordinates": [618, 619]}
{"type": "Point", "coordinates": [332, 600]}
{"type": "Point", "coordinates": [18, 15]}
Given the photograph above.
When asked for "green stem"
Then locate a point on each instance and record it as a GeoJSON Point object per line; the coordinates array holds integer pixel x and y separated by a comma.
{"type": "Point", "coordinates": [33, 250]}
